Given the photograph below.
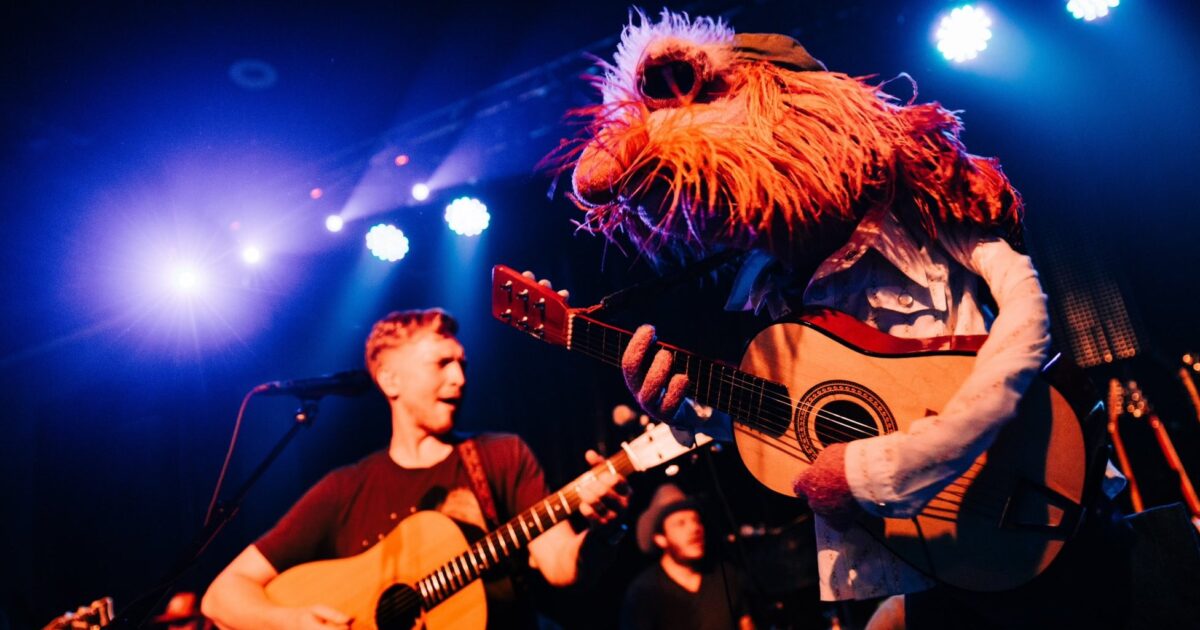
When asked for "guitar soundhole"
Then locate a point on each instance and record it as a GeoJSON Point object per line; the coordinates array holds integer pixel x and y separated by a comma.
{"type": "Point", "coordinates": [399, 608]}
{"type": "Point", "coordinates": [843, 421]}
{"type": "Point", "coordinates": [839, 411]}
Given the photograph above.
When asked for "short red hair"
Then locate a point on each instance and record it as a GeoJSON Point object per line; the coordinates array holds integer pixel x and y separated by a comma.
{"type": "Point", "coordinates": [399, 327]}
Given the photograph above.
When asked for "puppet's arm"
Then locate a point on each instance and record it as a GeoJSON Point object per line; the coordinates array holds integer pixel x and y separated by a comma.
{"type": "Point", "coordinates": [895, 475]}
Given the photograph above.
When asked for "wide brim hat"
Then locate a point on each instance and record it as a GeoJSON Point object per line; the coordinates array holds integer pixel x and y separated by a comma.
{"type": "Point", "coordinates": [667, 500]}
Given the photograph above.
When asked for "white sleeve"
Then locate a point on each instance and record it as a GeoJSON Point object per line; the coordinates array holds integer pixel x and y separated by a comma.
{"type": "Point", "coordinates": [895, 475]}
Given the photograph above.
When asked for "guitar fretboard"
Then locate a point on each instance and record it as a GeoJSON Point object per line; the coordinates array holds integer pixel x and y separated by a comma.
{"type": "Point", "coordinates": [747, 398]}
{"type": "Point", "coordinates": [509, 538]}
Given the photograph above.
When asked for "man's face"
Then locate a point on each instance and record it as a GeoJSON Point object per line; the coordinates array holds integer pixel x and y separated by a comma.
{"type": "Point", "coordinates": [682, 537]}
{"type": "Point", "coordinates": [425, 379]}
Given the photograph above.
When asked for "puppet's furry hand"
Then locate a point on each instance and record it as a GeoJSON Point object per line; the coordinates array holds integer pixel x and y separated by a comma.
{"type": "Point", "coordinates": [657, 390]}
{"type": "Point", "coordinates": [824, 485]}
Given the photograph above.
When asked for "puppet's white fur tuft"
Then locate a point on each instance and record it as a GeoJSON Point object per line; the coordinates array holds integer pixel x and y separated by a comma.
{"type": "Point", "coordinates": [643, 37]}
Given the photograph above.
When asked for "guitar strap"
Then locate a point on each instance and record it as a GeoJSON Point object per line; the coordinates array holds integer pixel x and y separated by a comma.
{"type": "Point", "coordinates": [470, 457]}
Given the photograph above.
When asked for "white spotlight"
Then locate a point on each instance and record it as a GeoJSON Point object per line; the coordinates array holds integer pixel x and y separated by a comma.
{"type": "Point", "coordinates": [1089, 10]}
{"type": "Point", "coordinates": [186, 280]}
{"type": "Point", "coordinates": [964, 33]}
{"type": "Point", "coordinates": [251, 255]}
{"type": "Point", "coordinates": [467, 216]}
{"type": "Point", "coordinates": [387, 242]}
{"type": "Point", "coordinates": [420, 192]}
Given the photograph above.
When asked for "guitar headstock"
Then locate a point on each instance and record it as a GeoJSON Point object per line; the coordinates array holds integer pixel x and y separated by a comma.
{"type": "Point", "coordinates": [661, 443]}
{"type": "Point", "coordinates": [522, 303]}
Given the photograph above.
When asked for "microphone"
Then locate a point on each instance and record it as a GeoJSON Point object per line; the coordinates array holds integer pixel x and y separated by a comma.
{"type": "Point", "coordinates": [348, 383]}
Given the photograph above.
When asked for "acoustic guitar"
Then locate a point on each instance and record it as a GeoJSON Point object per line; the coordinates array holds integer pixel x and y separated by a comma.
{"type": "Point", "coordinates": [824, 378]}
{"type": "Point", "coordinates": [425, 574]}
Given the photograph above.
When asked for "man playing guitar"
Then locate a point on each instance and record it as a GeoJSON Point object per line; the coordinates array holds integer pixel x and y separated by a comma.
{"type": "Point", "coordinates": [417, 362]}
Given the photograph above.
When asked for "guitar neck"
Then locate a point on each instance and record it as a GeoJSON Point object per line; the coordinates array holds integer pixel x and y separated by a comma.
{"type": "Point", "coordinates": [744, 396]}
{"type": "Point", "coordinates": [510, 538]}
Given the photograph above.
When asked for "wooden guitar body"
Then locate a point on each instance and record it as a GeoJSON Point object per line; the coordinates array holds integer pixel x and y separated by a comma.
{"type": "Point", "coordinates": [424, 574]}
{"type": "Point", "coordinates": [994, 528]}
{"type": "Point", "coordinates": [418, 546]}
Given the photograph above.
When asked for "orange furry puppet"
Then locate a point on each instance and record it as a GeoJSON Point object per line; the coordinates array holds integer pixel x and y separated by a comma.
{"type": "Point", "coordinates": [706, 140]}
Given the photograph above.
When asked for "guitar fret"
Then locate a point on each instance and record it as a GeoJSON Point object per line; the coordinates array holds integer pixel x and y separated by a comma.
{"type": "Point", "coordinates": [762, 386]}
{"type": "Point", "coordinates": [537, 519]}
{"type": "Point", "coordinates": [512, 532]}
{"type": "Point", "coordinates": [441, 582]}
{"type": "Point", "coordinates": [457, 574]}
{"type": "Point", "coordinates": [474, 562]}
{"type": "Point", "coordinates": [422, 591]}
{"type": "Point", "coordinates": [549, 511]}
{"type": "Point", "coordinates": [500, 539]}
{"type": "Point", "coordinates": [495, 556]}
{"type": "Point", "coordinates": [524, 528]}
{"type": "Point", "coordinates": [466, 570]}
{"type": "Point", "coordinates": [566, 505]}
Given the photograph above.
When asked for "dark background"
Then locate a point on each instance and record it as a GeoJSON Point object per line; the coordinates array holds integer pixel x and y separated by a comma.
{"type": "Point", "coordinates": [127, 146]}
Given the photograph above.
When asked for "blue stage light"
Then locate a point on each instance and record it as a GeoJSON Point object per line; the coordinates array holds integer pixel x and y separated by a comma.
{"type": "Point", "coordinates": [467, 216]}
{"type": "Point", "coordinates": [334, 223]}
{"type": "Point", "coordinates": [964, 33]}
{"type": "Point", "coordinates": [1089, 10]}
{"type": "Point", "coordinates": [420, 192]}
{"type": "Point", "coordinates": [387, 242]}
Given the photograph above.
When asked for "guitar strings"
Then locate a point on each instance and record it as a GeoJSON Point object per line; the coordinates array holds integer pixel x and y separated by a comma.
{"type": "Point", "coordinates": [738, 382]}
{"type": "Point", "coordinates": [837, 426]}
{"type": "Point", "coordinates": [856, 430]}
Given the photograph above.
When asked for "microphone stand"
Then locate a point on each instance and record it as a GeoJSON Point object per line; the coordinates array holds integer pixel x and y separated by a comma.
{"type": "Point", "coordinates": [138, 612]}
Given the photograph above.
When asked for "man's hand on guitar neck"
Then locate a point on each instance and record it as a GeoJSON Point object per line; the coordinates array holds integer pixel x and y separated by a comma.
{"type": "Point", "coordinates": [603, 495]}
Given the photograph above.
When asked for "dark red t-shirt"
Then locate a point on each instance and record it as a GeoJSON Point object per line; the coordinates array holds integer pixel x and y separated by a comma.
{"type": "Point", "coordinates": [355, 506]}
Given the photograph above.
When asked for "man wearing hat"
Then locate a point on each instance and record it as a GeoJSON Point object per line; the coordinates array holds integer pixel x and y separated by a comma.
{"type": "Point", "coordinates": [684, 589]}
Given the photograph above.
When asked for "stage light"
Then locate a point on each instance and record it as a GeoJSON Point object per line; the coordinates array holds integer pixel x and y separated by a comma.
{"type": "Point", "coordinates": [467, 216]}
{"type": "Point", "coordinates": [316, 193]}
{"type": "Point", "coordinates": [420, 192]}
{"type": "Point", "coordinates": [251, 255]}
{"type": "Point", "coordinates": [964, 33]}
{"type": "Point", "coordinates": [387, 242]}
{"type": "Point", "coordinates": [1089, 10]}
{"type": "Point", "coordinates": [334, 223]}
{"type": "Point", "coordinates": [401, 160]}
{"type": "Point", "coordinates": [186, 280]}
